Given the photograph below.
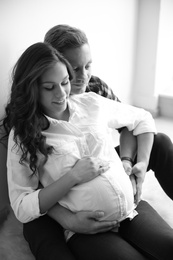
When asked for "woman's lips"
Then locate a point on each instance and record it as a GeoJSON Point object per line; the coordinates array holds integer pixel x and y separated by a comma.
{"type": "Point", "coordinates": [59, 101]}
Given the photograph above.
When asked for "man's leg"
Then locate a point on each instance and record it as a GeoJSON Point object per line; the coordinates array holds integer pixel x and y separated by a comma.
{"type": "Point", "coordinates": [149, 232]}
{"type": "Point", "coordinates": [161, 162]}
{"type": "Point", "coordinates": [103, 246]}
{"type": "Point", "coordinates": [46, 239]}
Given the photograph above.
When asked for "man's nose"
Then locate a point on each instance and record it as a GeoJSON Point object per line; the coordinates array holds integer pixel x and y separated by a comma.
{"type": "Point", "coordinates": [83, 74]}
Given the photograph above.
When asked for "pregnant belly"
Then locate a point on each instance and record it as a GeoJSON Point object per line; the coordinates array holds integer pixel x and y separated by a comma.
{"type": "Point", "coordinates": [110, 192]}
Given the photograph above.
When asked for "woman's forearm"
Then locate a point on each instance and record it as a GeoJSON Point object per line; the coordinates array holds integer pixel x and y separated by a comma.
{"type": "Point", "coordinates": [84, 170]}
{"type": "Point", "coordinates": [49, 195]}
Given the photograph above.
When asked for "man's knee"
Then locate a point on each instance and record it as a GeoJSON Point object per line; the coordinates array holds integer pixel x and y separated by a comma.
{"type": "Point", "coordinates": [162, 141]}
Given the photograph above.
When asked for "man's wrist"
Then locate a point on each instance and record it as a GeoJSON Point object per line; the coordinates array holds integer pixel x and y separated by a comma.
{"type": "Point", "coordinates": [126, 158]}
{"type": "Point", "coordinates": [62, 215]}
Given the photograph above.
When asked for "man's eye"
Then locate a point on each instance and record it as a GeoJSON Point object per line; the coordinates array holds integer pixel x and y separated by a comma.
{"type": "Point", "coordinates": [88, 66]}
{"type": "Point", "coordinates": [75, 69]}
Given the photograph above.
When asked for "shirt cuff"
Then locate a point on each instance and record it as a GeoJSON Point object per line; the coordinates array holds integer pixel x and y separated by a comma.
{"type": "Point", "coordinates": [30, 207]}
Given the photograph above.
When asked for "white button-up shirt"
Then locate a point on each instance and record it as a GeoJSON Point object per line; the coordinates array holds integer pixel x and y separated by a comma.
{"type": "Point", "coordinates": [87, 133]}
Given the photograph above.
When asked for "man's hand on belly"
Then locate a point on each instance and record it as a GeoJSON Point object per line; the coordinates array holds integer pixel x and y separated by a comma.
{"type": "Point", "coordinates": [87, 222]}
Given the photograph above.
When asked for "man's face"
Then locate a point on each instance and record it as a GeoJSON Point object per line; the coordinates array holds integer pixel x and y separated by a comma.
{"type": "Point", "coordinates": [80, 60]}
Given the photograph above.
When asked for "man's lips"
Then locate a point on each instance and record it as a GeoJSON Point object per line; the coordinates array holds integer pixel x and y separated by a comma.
{"type": "Point", "coordinates": [79, 84]}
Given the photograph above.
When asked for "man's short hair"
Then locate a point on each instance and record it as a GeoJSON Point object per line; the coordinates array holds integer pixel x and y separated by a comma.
{"type": "Point", "coordinates": [63, 37]}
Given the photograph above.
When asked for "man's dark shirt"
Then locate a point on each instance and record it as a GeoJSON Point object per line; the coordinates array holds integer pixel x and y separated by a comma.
{"type": "Point", "coordinates": [101, 88]}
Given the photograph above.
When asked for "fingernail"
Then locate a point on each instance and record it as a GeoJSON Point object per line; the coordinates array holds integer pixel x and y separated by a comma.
{"type": "Point", "coordinates": [101, 213]}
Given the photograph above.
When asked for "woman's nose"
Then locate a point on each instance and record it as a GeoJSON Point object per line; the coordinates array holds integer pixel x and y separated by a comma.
{"type": "Point", "coordinates": [59, 91]}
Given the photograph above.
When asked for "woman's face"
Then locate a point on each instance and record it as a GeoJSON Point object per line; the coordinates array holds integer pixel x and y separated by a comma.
{"type": "Point", "coordinates": [54, 91]}
{"type": "Point", "coordinates": [80, 60]}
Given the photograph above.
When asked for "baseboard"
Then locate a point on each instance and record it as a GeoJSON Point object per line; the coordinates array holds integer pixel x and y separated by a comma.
{"type": "Point", "coordinates": [166, 106]}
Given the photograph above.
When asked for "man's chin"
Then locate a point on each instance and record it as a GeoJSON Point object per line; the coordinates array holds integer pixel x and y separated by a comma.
{"type": "Point", "coordinates": [76, 91]}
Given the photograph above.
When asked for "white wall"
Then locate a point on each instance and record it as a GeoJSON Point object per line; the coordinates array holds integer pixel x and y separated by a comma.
{"type": "Point", "coordinates": [164, 72]}
{"type": "Point", "coordinates": [146, 55]}
{"type": "Point", "coordinates": [153, 68]}
{"type": "Point", "coordinates": [109, 25]}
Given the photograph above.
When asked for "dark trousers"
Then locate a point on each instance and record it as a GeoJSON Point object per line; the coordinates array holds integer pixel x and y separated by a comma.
{"type": "Point", "coordinates": [147, 236]}
{"type": "Point", "coordinates": [161, 162]}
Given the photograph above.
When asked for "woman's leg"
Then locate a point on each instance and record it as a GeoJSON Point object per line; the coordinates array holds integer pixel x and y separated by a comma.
{"type": "Point", "coordinates": [149, 232]}
{"type": "Point", "coordinates": [103, 246]}
{"type": "Point", "coordinates": [161, 162]}
{"type": "Point", "coordinates": [46, 239]}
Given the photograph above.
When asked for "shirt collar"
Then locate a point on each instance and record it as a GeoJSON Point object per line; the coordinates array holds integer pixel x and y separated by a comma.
{"type": "Point", "coordinates": [73, 109]}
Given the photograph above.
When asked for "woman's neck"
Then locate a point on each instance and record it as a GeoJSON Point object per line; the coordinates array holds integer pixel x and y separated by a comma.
{"type": "Point", "coordinates": [64, 115]}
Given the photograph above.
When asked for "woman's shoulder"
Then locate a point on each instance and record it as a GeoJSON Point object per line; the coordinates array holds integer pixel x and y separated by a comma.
{"type": "Point", "coordinates": [85, 102]}
{"type": "Point", "coordinates": [86, 97]}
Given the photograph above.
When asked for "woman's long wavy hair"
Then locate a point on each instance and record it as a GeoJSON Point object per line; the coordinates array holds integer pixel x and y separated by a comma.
{"type": "Point", "coordinates": [23, 112]}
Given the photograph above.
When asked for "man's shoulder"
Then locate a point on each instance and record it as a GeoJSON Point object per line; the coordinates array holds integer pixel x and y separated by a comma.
{"type": "Point", "coordinates": [96, 79]}
{"type": "Point", "coordinates": [95, 84]}
{"type": "Point", "coordinates": [98, 86]}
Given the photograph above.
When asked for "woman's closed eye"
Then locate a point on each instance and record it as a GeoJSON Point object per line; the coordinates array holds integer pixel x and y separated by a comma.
{"type": "Point", "coordinates": [51, 86]}
{"type": "Point", "coordinates": [48, 86]}
{"type": "Point", "coordinates": [65, 82]}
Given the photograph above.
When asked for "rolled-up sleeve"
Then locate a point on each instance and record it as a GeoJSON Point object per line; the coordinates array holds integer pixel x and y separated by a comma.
{"type": "Point", "coordinates": [22, 185]}
{"type": "Point", "coordinates": [135, 119]}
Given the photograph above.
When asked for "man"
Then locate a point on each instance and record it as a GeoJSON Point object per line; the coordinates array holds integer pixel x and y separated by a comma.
{"type": "Point", "coordinates": [48, 242]}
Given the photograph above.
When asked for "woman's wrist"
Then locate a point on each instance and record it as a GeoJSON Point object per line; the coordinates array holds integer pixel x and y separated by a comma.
{"type": "Point", "coordinates": [74, 177]}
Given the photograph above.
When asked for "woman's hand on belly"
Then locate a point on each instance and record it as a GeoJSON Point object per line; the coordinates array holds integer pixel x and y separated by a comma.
{"type": "Point", "coordinates": [88, 168]}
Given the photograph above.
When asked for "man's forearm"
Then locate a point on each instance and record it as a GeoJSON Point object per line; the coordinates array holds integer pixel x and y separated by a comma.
{"type": "Point", "coordinates": [128, 144]}
{"type": "Point", "coordinates": [145, 143]}
{"type": "Point", "coordinates": [85, 222]}
{"type": "Point", "coordinates": [61, 215]}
